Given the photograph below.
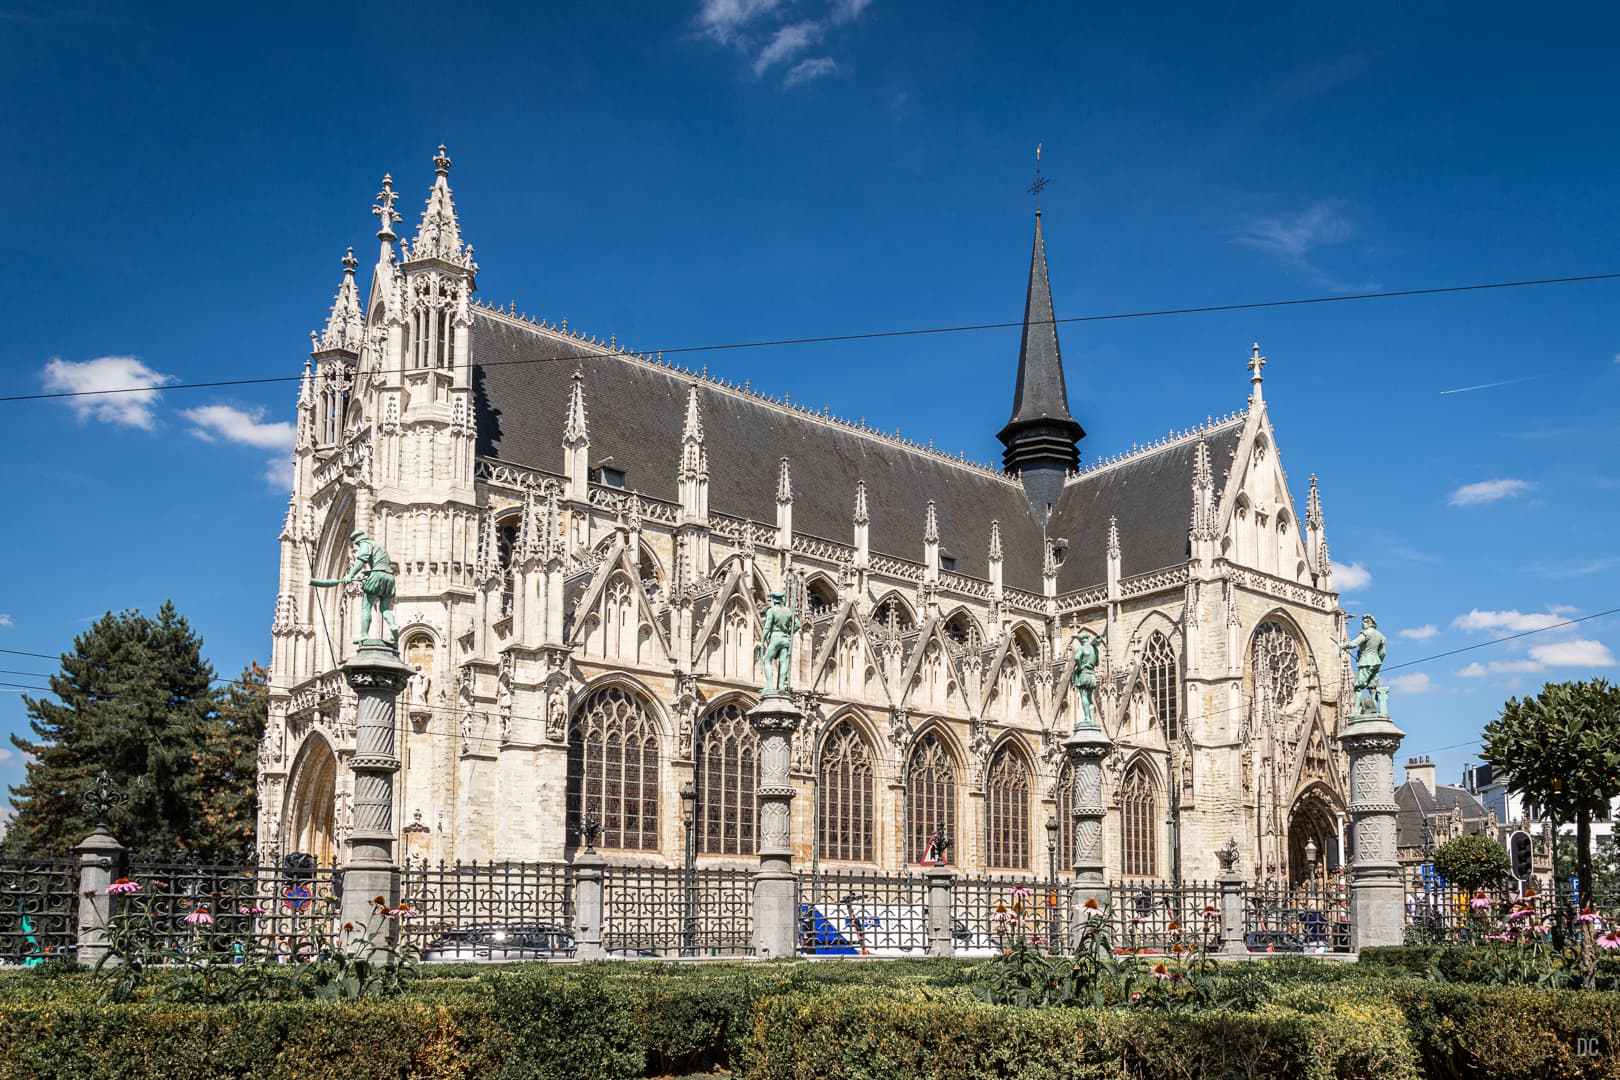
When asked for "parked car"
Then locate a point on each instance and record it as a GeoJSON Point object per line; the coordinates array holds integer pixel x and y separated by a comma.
{"type": "Point", "coordinates": [854, 928]}
{"type": "Point", "coordinates": [499, 944]}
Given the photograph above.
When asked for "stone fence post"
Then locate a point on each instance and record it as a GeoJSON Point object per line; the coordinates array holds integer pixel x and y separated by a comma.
{"type": "Point", "coordinates": [101, 862]}
{"type": "Point", "coordinates": [1377, 900]}
{"type": "Point", "coordinates": [588, 875]}
{"type": "Point", "coordinates": [940, 882]}
{"type": "Point", "coordinates": [377, 675]}
{"type": "Point", "coordinates": [1232, 914]}
{"type": "Point", "coordinates": [776, 918]}
{"type": "Point", "coordinates": [1086, 749]}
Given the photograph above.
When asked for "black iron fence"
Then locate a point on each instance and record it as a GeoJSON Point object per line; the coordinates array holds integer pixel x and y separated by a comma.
{"type": "Point", "coordinates": [1155, 915]}
{"type": "Point", "coordinates": [517, 908]}
{"type": "Point", "coordinates": [671, 911]}
{"type": "Point", "coordinates": [992, 913]}
{"type": "Point", "coordinates": [278, 907]}
{"type": "Point", "coordinates": [862, 913]}
{"type": "Point", "coordinates": [1311, 917]}
{"type": "Point", "coordinates": [40, 913]}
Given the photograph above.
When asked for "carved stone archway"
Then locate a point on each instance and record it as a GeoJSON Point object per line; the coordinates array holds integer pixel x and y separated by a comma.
{"type": "Point", "coordinates": [1313, 819]}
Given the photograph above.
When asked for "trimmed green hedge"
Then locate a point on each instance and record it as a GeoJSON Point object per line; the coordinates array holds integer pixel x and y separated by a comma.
{"type": "Point", "coordinates": [786, 1021]}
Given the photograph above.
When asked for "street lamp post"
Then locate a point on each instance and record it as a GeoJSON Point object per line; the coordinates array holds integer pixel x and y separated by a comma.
{"type": "Point", "coordinates": [1052, 937]}
{"type": "Point", "coordinates": [689, 879]}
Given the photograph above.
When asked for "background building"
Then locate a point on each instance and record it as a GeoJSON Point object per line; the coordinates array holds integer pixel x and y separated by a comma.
{"type": "Point", "coordinates": [585, 536]}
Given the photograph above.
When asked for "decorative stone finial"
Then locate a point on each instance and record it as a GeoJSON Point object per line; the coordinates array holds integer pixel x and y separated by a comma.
{"type": "Point", "coordinates": [441, 162]}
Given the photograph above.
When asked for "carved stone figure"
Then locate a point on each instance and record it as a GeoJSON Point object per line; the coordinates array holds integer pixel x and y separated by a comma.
{"type": "Point", "coordinates": [376, 586]}
{"type": "Point", "coordinates": [775, 649]}
{"type": "Point", "coordinates": [1084, 679]}
{"type": "Point", "coordinates": [1369, 650]}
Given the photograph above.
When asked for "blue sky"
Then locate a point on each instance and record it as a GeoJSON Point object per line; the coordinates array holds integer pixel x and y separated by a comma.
{"type": "Point", "coordinates": [183, 182]}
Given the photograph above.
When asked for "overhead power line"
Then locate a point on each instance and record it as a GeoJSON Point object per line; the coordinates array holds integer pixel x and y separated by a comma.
{"type": "Point", "coordinates": [874, 335]}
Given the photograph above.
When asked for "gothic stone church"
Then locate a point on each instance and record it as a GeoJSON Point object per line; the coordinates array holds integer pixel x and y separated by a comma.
{"type": "Point", "coordinates": [585, 537]}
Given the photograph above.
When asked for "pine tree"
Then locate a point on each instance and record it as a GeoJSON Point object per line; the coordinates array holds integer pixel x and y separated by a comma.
{"type": "Point", "coordinates": [227, 758]}
{"type": "Point", "coordinates": [135, 699]}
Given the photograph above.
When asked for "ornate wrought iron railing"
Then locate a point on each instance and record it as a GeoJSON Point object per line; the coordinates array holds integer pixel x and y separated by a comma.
{"type": "Point", "coordinates": [276, 906]}
{"type": "Point", "coordinates": [1156, 915]}
{"type": "Point", "coordinates": [862, 913]}
{"type": "Point", "coordinates": [462, 903]}
{"type": "Point", "coordinates": [39, 909]}
{"type": "Point", "coordinates": [670, 911]}
{"type": "Point", "coordinates": [1309, 917]}
{"type": "Point", "coordinates": [992, 913]}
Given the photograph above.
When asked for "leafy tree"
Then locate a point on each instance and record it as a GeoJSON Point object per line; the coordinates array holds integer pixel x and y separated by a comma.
{"type": "Point", "coordinates": [134, 698]}
{"type": "Point", "coordinates": [1561, 750]}
{"type": "Point", "coordinates": [1472, 862]}
{"type": "Point", "coordinates": [1604, 886]}
{"type": "Point", "coordinates": [226, 756]}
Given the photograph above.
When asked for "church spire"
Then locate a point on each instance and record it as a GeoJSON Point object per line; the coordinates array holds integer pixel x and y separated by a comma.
{"type": "Point", "coordinates": [439, 234]}
{"type": "Point", "coordinates": [345, 324]}
{"type": "Point", "coordinates": [1041, 438]}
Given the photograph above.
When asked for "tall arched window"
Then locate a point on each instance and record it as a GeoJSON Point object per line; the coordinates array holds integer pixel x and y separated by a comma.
{"type": "Point", "coordinates": [726, 752]}
{"type": "Point", "coordinates": [844, 825]}
{"type": "Point", "coordinates": [1275, 656]}
{"type": "Point", "coordinates": [930, 794]}
{"type": "Point", "coordinates": [1139, 823]}
{"type": "Point", "coordinates": [506, 540]}
{"type": "Point", "coordinates": [613, 769]}
{"type": "Point", "coordinates": [1065, 817]}
{"type": "Point", "coordinates": [1164, 684]}
{"type": "Point", "coordinates": [1007, 811]}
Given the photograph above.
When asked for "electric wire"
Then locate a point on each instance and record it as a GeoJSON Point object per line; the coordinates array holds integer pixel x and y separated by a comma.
{"type": "Point", "coordinates": [875, 335]}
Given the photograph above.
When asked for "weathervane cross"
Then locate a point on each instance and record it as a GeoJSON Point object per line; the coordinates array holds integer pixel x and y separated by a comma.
{"type": "Point", "coordinates": [1040, 181]}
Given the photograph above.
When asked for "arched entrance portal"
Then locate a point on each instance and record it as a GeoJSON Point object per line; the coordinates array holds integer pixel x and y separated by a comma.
{"type": "Point", "coordinates": [1313, 830]}
{"type": "Point", "coordinates": [310, 809]}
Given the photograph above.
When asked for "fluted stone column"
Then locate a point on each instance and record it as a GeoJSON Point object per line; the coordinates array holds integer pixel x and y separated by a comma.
{"type": "Point", "coordinates": [1377, 901]}
{"type": "Point", "coordinates": [377, 675]}
{"type": "Point", "coordinates": [776, 921]}
{"type": "Point", "coordinates": [1086, 749]}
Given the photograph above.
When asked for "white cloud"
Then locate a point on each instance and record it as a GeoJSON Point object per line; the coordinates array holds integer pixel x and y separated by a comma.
{"type": "Point", "coordinates": [807, 70]}
{"type": "Point", "coordinates": [1349, 577]}
{"type": "Point", "coordinates": [849, 10]}
{"type": "Point", "coordinates": [1416, 683]}
{"type": "Point", "coordinates": [1512, 622]}
{"type": "Point", "coordinates": [788, 41]}
{"type": "Point", "coordinates": [1293, 237]}
{"type": "Point", "coordinates": [1472, 671]}
{"type": "Point", "coordinates": [96, 378]}
{"type": "Point", "coordinates": [5, 755]}
{"type": "Point", "coordinates": [1499, 667]}
{"type": "Point", "coordinates": [1419, 633]}
{"type": "Point", "coordinates": [1582, 652]}
{"type": "Point", "coordinates": [1489, 491]}
{"type": "Point", "coordinates": [5, 618]}
{"type": "Point", "coordinates": [240, 426]}
{"type": "Point", "coordinates": [722, 20]}
{"type": "Point", "coordinates": [278, 473]}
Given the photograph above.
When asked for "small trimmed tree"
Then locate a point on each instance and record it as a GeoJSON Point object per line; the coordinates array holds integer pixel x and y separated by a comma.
{"type": "Point", "coordinates": [1472, 862]}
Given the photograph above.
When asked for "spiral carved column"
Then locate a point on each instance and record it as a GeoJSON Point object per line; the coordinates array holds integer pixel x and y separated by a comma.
{"type": "Point", "coordinates": [377, 675]}
{"type": "Point", "coordinates": [776, 920]}
{"type": "Point", "coordinates": [1086, 749]}
{"type": "Point", "coordinates": [1377, 900]}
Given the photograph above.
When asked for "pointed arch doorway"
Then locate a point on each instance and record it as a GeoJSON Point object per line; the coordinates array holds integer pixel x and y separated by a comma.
{"type": "Point", "coordinates": [1313, 836]}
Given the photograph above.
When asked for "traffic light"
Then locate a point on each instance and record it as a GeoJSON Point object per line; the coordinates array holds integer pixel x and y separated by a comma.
{"type": "Point", "coordinates": [1519, 854]}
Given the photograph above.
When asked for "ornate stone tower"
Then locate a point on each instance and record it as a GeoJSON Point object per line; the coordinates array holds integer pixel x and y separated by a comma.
{"type": "Point", "coordinates": [1042, 440]}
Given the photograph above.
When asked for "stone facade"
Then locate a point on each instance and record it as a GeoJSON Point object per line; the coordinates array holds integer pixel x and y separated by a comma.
{"type": "Point", "coordinates": [585, 537]}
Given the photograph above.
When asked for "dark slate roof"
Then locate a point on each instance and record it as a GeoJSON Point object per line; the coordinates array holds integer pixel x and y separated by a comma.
{"type": "Point", "coordinates": [1150, 494]}
{"type": "Point", "coordinates": [1039, 393]}
{"type": "Point", "coordinates": [635, 415]}
{"type": "Point", "coordinates": [1416, 803]}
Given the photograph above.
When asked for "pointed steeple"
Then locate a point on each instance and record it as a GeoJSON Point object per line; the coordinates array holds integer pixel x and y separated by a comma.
{"type": "Point", "coordinates": [931, 524]}
{"type": "Point", "coordinates": [863, 525]}
{"type": "Point", "coordinates": [1041, 438]}
{"type": "Point", "coordinates": [345, 325]}
{"type": "Point", "coordinates": [387, 218]}
{"type": "Point", "coordinates": [439, 234]}
{"type": "Point", "coordinates": [862, 515]}
{"type": "Point", "coordinates": [995, 541]}
{"type": "Point", "coordinates": [577, 442]}
{"type": "Point", "coordinates": [784, 506]}
{"type": "Point", "coordinates": [575, 428]}
{"type": "Point", "coordinates": [784, 482]}
{"type": "Point", "coordinates": [1257, 364]}
{"type": "Point", "coordinates": [1203, 494]}
{"type": "Point", "coordinates": [1316, 546]}
{"type": "Point", "coordinates": [306, 408]}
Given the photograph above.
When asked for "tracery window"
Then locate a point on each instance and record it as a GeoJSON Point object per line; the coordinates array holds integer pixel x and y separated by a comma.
{"type": "Point", "coordinates": [726, 757]}
{"type": "Point", "coordinates": [1007, 811]}
{"type": "Point", "coordinates": [506, 540]}
{"type": "Point", "coordinates": [1139, 823]}
{"type": "Point", "coordinates": [1164, 684]}
{"type": "Point", "coordinates": [930, 794]}
{"type": "Point", "coordinates": [613, 769]}
{"type": "Point", "coordinates": [1275, 654]}
{"type": "Point", "coordinates": [844, 826]}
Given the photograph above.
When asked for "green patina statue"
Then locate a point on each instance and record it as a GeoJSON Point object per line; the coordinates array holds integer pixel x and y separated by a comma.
{"type": "Point", "coordinates": [775, 649]}
{"type": "Point", "coordinates": [376, 586]}
{"type": "Point", "coordinates": [1369, 650]}
{"type": "Point", "coordinates": [1084, 679]}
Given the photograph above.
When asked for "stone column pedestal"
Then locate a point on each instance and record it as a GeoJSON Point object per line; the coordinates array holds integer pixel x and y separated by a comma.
{"type": "Point", "coordinates": [776, 916]}
{"type": "Point", "coordinates": [101, 862]}
{"type": "Point", "coordinates": [1377, 900]}
{"type": "Point", "coordinates": [940, 883]}
{"type": "Point", "coordinates": [588, 875]}
{"type": "Point", "coordinates": [1086, 749]}
{"type": "Point", "coordinates": [377, 675]}
{"type": "Point", "coordinates": [1231, 883]}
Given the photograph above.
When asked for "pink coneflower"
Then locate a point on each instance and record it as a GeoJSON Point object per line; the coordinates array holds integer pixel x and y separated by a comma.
{"type": "Point", "coordinates": [1587, 917]}
{"type": "Point", "coordinates": [1211, 911]}
{"type": "Point", "coordinates": [1480, 901]}
{"type": "Point", "coordinates": [1161, 972]}
{"type": "Point", "coordinates": [1021, 891]}
{"type": "Point", "coordinates": [1520, 914]}
{"type": "Point", "coordinates": [199, 918]}
{"type": "Point", "coordinates": [1137, 996]}
{"type": "Point", "coordinates": [250, 911]}
{"type": "Point", "coordinates": [1610, 940]}
{"type": "Point", "coordinates": [123, 885]}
